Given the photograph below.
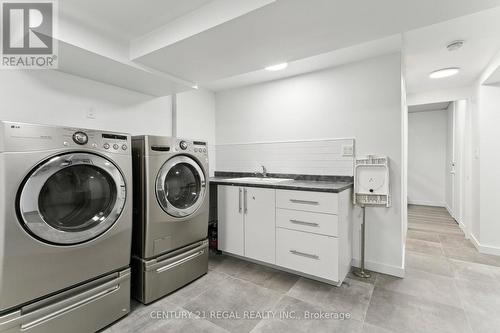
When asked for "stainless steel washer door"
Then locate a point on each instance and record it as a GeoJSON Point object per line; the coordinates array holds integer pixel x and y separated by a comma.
{"type": "Point", "coordinates": [72, 198]}
{"type": "Point", "coordinates": [180, 186]}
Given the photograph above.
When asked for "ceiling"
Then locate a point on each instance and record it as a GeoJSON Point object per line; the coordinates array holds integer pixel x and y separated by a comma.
{"type": "Point", "coordinates": [222, 49]}
{"type": "Point", "coordinates": [425, 50]}
{"type": "Point", "coordinates": [351, 54]}
{"type": "Point", "coordinates": [288, 30]}
{"type": "Point", "coordinates": [429, 107]}
{"type": "Point", "coordinates": [127, 19]}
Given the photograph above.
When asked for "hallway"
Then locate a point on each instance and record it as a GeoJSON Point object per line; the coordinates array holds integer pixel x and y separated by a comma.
{"type": "Point", "coordinates": [444, 267]}
{"type": "Point", "coordinates": [432, 231]}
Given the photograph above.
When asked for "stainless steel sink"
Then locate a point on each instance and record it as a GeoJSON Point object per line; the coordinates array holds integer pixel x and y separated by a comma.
{"type": "Point", "coordinates": [260, 180]}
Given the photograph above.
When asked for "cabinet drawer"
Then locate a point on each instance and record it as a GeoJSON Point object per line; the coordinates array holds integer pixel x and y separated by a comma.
{"type": "Point", "coordinates": [308, 201]}
{"type": "Point", "coordinates": [318, 223]}
{"type": "Point", "coordinates": [308, 253]}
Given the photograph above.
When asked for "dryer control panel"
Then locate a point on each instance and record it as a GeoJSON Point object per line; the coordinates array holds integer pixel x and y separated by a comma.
{"type": "Point", "coordinates": [197, 147]}
{"type": "Point", "coordinates": [30, 137]}
{"type": "Point", "coordinates": [91, 139]}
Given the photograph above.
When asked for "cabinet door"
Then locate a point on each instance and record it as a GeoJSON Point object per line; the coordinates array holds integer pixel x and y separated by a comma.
{"type": "Point", "coordinates": [260, 227]}
{"type": "Point", "coordinates": [230, 224]}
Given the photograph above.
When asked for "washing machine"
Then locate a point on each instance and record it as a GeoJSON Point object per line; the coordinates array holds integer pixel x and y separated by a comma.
{"type": "Point", "coordinates": [170, 247]}
{"type": "Point", "coordinates": [65, 228]}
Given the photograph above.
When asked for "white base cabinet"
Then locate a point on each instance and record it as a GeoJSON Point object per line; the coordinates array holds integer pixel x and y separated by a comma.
{"type": "Point", "coordinates": [231, 225]}
{"type": "Point", "coordinates": [246, 225]}
{"type": "Point", "coordinates": [260, 230]}
{"type": "Point", "coordinates": [305, 232]}
{"type": "Point", "coordinates": [308, 253]}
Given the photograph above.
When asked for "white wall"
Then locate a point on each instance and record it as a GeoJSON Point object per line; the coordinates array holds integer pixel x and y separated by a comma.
{"type": "Point", "coordinates": [361, 101]}
{"type": "Point", "coordinates": [489, 136]}
{"type": "Point", "coordinates": [404, 154]}
{"type": "Point", "coordinates": [427, 134]}
{"type": "Point", "coordinates": [436, 96]}
{"type": "Point", "coordinates": [196, 119]}
{"type": "Point", "coordinates": [52, 97]}
{"type": "Point", "coordinates": [473, 204]}
{"type": "Point", "coordinates": [483, 159]}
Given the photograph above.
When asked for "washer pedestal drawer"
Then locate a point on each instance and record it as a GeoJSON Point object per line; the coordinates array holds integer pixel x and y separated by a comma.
{"type": "Point", "coordinates": [155, 278]}
{"type": "Point", "coordinates": [86, 308]}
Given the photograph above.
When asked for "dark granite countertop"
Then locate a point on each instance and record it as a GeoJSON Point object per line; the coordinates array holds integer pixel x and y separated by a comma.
{"type": "Point", "coordinates": [296, 182]}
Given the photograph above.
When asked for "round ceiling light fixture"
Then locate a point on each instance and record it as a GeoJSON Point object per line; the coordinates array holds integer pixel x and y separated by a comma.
{"type": "Point", "coordinates": [444, 72]}
{"type": "Point", "coordinates": [455, 45]}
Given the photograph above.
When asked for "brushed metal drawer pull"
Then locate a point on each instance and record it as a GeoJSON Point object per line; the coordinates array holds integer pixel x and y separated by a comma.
{"type": "Point", "coordinates": [239, 200]}
{"type": "Point", "coordinates": [245, 200]}
{"type": "Point", "coordinates": [302, 254]}
{"type": "Point", "coordinates": [305, 202]}
{"type": "Point", "coordinates": [311, 224]}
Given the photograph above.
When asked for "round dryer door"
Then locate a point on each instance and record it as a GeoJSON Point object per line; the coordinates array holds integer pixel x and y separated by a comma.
{"type": "Point", "coordinates": [72, 198]}
{"type": "Point", "coordinates": [180, 186]}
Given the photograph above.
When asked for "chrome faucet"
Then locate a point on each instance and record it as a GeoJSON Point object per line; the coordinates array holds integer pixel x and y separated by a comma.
{"type": "Point", "coordinates": [264, 171]}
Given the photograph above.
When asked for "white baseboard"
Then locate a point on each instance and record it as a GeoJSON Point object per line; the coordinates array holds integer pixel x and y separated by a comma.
{"type": "Point", "coordinates": [448, 208]}
{"type": "Point", "coordinates": [474, 241]}
{"type": "Point", "coordinates": [462, 226]}
{"type": "Point", "coordinates": [486, 249]}
{"type": "Point", "coordinates": [381, 268]}
{"type": "Point", "coordinates": [426, 203]}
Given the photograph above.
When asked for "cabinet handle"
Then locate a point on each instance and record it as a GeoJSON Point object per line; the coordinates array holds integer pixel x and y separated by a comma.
{"type": "Point", "coordinates": [303, 254]}
{"type": "Point", "coordinates": [305, 202]}
{"type": "Point", "coordinates": [239, 201]}
{"type": "Point", "coordinates": [311, 224]}
{"type": "Point", "coordinates": [245, 203]}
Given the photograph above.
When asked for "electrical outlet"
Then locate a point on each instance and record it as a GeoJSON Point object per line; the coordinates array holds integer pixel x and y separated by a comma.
{"type": "Point", "coordinates": [91, 113]}
{"type": "Point", "coordinates": [347, 150]}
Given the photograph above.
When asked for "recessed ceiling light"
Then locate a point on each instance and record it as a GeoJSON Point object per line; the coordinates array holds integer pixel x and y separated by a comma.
{"type": "Point", "coordinates": [445, 72]}
{"type": "Point", "coordinates": [195, 86]}
{"type": "Point", "coordinates": [277, 67]}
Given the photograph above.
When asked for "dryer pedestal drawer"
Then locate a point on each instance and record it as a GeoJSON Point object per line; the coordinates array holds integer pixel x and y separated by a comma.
{"type": "Point", "coordinates": [158, 277]}
{"type": "Point", "coordinates": [308, 253]}
{"type": "Point", "coordinates": [87, 308]}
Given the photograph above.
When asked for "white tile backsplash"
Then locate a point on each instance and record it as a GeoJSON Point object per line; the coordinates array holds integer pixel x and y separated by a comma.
{"type": "Point", "coordinates": [316, 157]}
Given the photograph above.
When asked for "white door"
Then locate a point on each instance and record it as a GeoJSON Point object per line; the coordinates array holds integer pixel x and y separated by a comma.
{"type": "Point", "coordinates": [230, 224]}
{"type": "Point", "coordinates": [260, 226]}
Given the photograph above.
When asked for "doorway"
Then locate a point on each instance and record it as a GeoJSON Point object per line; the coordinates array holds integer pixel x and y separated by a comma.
{"type": "Point", "coordinates": [439, 149]}
{"type": "Point", "coordinates": [437, 140]}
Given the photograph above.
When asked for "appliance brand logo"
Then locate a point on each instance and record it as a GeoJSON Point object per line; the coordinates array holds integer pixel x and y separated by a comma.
{"type": "Point", "coordinates": [27, 34]}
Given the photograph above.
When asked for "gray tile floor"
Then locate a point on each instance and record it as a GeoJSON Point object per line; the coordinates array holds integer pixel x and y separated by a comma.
{"type": "Point", "coordinates": [449, 287]}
